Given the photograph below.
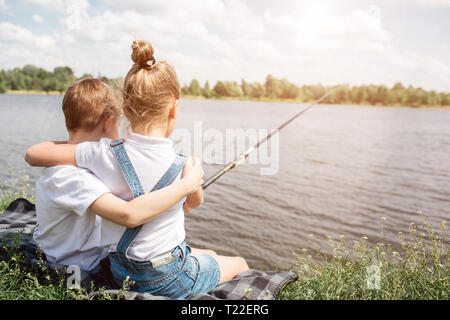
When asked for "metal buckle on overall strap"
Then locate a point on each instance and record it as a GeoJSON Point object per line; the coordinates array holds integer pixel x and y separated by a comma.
{"type": "Point", "coordinates": [117, 142]}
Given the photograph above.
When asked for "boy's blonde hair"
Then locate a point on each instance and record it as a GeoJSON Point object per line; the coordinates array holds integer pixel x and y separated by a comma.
{"type": "Point", "coordinates": [87, 103]}
{"type": "Point", "coordinates": [150, 86]}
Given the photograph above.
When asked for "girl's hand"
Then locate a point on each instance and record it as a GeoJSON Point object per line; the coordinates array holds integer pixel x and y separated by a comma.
{"type": "Point", "coordinates": [193, 173]}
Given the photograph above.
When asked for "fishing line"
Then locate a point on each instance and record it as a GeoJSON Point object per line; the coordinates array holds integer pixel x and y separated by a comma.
{"type": "Point", "coordinates": [244, 155]}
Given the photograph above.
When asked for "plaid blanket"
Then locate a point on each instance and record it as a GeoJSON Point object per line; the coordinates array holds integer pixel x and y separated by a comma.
{"type": "Point", "coordinates": [20, 217]}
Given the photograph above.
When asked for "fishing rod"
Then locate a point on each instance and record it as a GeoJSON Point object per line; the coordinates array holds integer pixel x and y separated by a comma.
{"type": "Point", "coordinates": [244, 155]}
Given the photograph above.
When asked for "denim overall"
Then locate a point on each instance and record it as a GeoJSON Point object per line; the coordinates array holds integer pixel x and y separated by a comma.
{"type": "Point", "coordinates": [175, 274]}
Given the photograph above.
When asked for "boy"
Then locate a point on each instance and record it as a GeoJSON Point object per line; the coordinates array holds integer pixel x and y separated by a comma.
{"type": "Point", "coordinates": [67, 197]}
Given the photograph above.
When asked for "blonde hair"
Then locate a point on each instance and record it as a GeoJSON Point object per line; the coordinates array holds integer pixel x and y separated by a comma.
{"type": "Point", "coordinates": [87, 103]}
{"type": "Point", "coordinates": [149, 87]}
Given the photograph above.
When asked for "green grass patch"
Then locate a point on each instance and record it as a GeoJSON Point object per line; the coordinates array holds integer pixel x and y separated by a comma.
{"type": "Point", "coordinates": [20, 281]}
{"type": "Point", "coordinates": [418, 271]}
{"type": "Point", "coordinates": [18, 187]}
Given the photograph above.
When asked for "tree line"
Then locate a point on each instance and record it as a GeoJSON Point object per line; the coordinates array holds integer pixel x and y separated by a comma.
{"type": "Point", "coordinates": [31, 78]}
{"type": "Point", "coordinates": [282, 89]}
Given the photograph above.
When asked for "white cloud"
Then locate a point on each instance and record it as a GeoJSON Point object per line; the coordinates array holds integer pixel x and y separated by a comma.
{"type": "Point", "coordinates": [37, 18]}
{"type": "Point", "coordinates": [214, 39]}
{"type": "Point", "coordinates": [13, 34]}
{"type": "Point", "coordinates": [4, 8]}
{"type": "Point", "coordinates": [44, 3]}
{"type": "Point", "coordinates": [19, 46]}
{"type": "Point", "coordinates": [435, 3]}
{"type": "Point", "coordinates": [58, 5]}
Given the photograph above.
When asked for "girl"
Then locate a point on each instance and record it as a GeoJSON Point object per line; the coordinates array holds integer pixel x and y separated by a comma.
{"type": "Point", "coordinates": [154, 255]}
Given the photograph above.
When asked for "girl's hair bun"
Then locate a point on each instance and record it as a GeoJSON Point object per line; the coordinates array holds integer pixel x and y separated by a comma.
{"type": "Point", "coordinates": [142, 53]}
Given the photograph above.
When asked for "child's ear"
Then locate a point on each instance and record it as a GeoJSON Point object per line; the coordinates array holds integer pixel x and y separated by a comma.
{"type": "Point", "coordinates": [173, 112]}
{"type": "Point", "coordinates": [108, 124]}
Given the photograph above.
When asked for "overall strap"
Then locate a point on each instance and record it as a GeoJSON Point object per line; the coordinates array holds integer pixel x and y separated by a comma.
{"type": "Point", "coordinates": [133, 182]}
{"type": "Point", "coordinates": [127, 168]}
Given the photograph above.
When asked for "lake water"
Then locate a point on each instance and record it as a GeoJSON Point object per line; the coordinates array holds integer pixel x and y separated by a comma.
{"type": "Point", "coordinates": [340, 170]}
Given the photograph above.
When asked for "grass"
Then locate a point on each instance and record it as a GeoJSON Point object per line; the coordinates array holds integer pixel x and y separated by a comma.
{"type": "Point", "coordinates": [420, 269]}
{"type": "Point", "coordinates": [19, 280]}
{"type": "Point", "coordinates": [22, 281]}
{"type": "Point", "coordinates": [19, 187]}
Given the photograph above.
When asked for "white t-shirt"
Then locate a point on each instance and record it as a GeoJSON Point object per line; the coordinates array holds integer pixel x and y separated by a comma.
{"type": "Point", "coordinates": [151, 157]}
{"type": "Point", "coordinates": [67, 230]}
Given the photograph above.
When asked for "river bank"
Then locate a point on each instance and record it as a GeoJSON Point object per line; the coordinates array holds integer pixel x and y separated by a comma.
{"type": "Point", "coordinates": [32, 92]}
{"type": "Point", "coordinates": [348, 103]}
{"type": "Point", "coordinates": [264, 99]}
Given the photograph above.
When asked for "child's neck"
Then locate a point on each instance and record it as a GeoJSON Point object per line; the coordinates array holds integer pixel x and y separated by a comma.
{"type": "Point", "coordinates": [156, 132]}
{"type": "Point", "coordinates": [79, 136]}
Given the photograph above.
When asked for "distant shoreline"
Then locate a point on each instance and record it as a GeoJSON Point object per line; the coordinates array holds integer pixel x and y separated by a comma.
{"type": "Point", "coordinates": [306, 102]}
{"type": "Point", "coordinates": [33, 92]}
{"type": "Point", "coordinates": [57, 93]}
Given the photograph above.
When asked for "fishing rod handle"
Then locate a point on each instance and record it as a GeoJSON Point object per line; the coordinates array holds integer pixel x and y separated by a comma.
{"type": "Point", "coordinates": [213, 178]}
{"type": "Point", "coordinates": [229, 166]}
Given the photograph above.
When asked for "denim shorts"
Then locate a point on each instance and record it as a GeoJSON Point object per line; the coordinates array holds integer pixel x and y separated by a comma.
{"type": "Point", "coordinates": [182, 278]}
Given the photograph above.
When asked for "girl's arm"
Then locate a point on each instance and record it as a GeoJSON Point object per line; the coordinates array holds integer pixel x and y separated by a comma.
{"type": "Point", "coordinates": [195, 198]}
{"type": "Point", "coordinates": [129, 214]}
{"type": "Point", "coordinates": [148, 206]}
{"type": "Point", "coordinates": [51, 153]}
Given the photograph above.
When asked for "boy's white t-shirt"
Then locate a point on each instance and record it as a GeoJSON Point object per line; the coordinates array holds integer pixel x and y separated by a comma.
{"type": "Point", "coordinates": [67, 230]}
{"type": "Point", "coordinates": [151, 157]}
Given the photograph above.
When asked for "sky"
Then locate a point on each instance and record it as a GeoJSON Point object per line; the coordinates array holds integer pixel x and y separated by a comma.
{"type": "Point", "coordinates": [308, 42]}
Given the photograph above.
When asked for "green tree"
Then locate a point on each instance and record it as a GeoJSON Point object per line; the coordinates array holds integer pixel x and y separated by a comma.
{"type": "Point", "coordinates": [232, 89]}
{"type": "Point", "coordinates": [194, 88]}
{"type": "Point", "coordinates": [382, 96]}
{"type": "Point", "coordinates": [3, 85]}
{"type": "Point", "coordinates": [289, 90]}
{"type": "Point", "coordinates": [16, 79]}
{"type": "Point", "coordinates": [246, 88]}
{"type": "Point", "coordinates": [445, 99]}
{"type": "Point", "coordinates": [64, 76]}
{"type": "Point", "coordinates": [359, 95]}
{"type": "Point", "coordinates": [185, 90]}
{"type": "Point", "coordinates": [220, 90]}
{"type": "Point", "coordinates": [432, 99]}
{"type": "Point", "coordinates": [207, 92]}
{"type": "Point", "coordinates": [306, 93]}
{"type": "Point", "coordinates": [86, 76]}
{"type": "Point", "coordinates": [50, 84]}
{"type": "Point", "coordinates": [372, 93]}
{"type": "Point", "coordinates": [398, 86]}
{"type": "Point", "coordinates": [398, 94]}
{"type": "Point", "coordinates": [256, 90]}
{"type": "Point", "coordinates": [318, 91]}
{"type": "Point", "coordinates": [413, 96]}
{"type": "Point", "coordinates": [274, 87]}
